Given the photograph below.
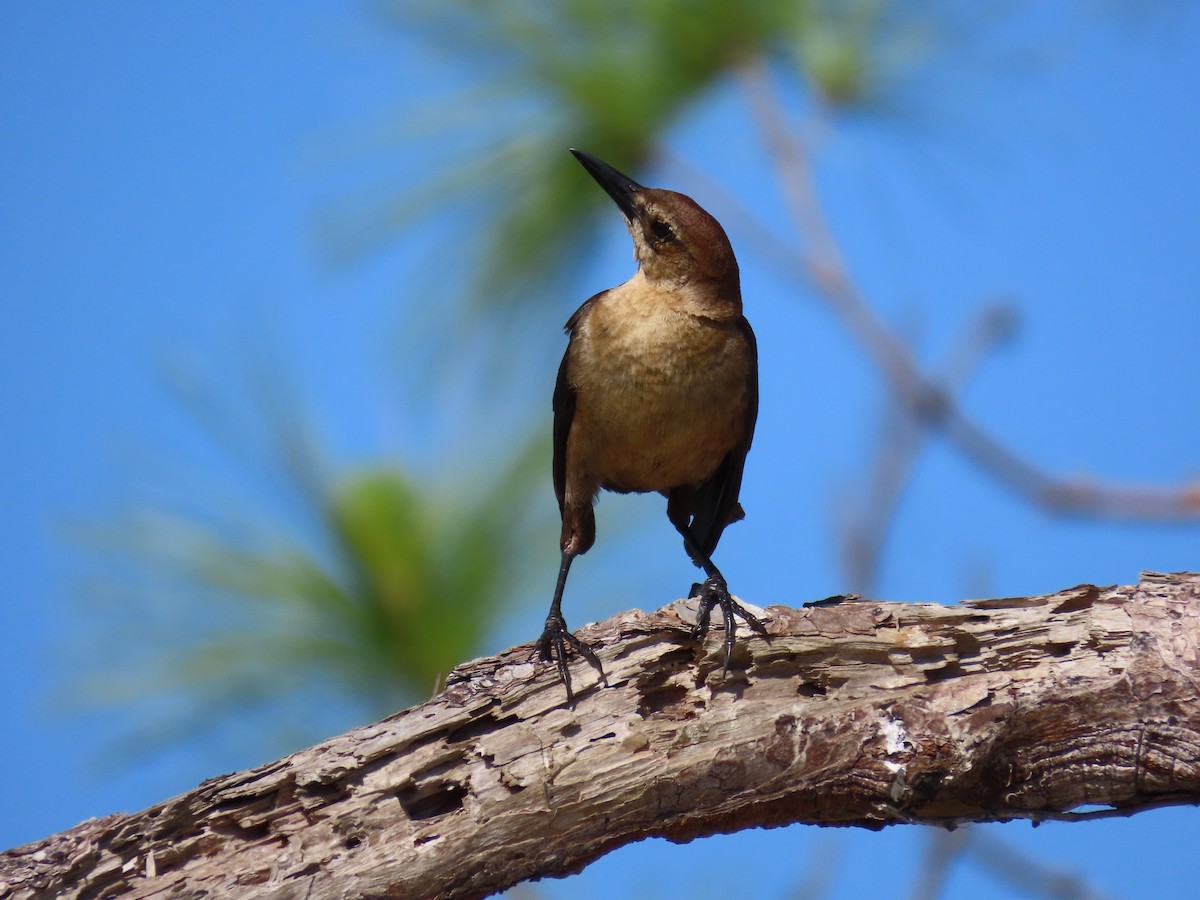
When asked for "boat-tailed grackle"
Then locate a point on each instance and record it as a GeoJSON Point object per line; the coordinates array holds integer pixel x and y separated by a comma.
{"type": "Point", "coordinates": [657, 391]}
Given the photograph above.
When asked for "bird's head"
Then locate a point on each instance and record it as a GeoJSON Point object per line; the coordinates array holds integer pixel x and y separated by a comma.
{"type": "Point", "coordinates": [674, 239]}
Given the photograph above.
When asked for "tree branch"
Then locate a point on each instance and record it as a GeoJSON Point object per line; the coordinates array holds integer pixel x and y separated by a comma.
{"type": "Point", "coordinates": [819, 267]}
{"type": "Point", "coordinates": [859, 713]}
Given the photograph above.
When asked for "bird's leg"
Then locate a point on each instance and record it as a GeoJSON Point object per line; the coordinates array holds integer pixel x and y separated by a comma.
{"type": "Point", "coordinates": [556, 637]}
{"type": "Point", "coordinates": [715, 592]}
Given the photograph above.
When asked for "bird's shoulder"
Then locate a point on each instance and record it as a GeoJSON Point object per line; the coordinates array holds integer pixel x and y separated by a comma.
{"type": "Point", "coordinates": [585, 308]}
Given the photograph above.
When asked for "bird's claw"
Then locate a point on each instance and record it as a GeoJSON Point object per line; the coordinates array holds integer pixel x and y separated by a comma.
{"type": "Point", "coordinates": [714, 592]}
{"type": "Point", "coordinates": [553, 645]}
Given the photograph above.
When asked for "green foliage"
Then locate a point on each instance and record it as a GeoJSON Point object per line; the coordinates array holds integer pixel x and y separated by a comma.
{"type": "Point", "coordinates": [362, 589]}
{"type": "Point", "coordinates": [427, 575]}
{"type": "Point", "coordinates": [611, 77]}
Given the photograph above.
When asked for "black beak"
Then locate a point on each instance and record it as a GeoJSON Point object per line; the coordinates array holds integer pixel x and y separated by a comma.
{"type": "Point", "coordinates": [618, 186]}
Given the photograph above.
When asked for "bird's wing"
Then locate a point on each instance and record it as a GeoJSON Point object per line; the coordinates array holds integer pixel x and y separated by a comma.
{"type": "Point", "coordinates": [717, 499]}
{"type": "Point", "coordinates": [563, 403]}
{"type": "Point", "coordinates": [564, 411]}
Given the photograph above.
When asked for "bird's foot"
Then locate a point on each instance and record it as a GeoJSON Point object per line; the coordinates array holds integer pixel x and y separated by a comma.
{"type": "Point", "coordinates": [713, 593]}
{"type": "Point", "coordinates": [553, 644]}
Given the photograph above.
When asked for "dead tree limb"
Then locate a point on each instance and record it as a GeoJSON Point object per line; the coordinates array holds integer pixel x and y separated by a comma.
{"type": "Point", "coordinates": [1075, 704]}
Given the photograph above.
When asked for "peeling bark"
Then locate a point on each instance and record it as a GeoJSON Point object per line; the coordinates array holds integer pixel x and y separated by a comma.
{"type": "Point", "coordinates": [859, 713]}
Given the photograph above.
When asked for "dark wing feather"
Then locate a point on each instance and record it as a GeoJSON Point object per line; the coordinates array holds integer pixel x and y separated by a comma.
{"type": "Point", "coordinates": [717, 499]}
{"type": "Point", "coordinates": [564, 411]}
{"type": "Point", "coordinates": [563, 404]}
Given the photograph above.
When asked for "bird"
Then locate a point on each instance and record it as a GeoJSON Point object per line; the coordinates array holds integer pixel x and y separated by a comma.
{"type": "Point", "coordinates": [657, 392]}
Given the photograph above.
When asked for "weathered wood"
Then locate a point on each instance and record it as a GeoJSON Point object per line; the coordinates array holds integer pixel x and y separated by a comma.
{"type": "Point", "coordinates": [860, 713]}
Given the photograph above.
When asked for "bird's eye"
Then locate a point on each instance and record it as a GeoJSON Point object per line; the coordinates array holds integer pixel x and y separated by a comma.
{"type": "Point", "coordinates": [661, 230]}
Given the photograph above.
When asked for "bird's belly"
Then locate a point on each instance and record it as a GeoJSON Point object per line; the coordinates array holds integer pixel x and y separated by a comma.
{"type": "Point", "coordinates": [662, 422]}
{"type": "Point", "coordinates": [659, 465]}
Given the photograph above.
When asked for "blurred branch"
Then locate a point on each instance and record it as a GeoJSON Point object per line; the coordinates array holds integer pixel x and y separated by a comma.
{"type": "Point", "coordinates": [1030, 876]}
{"type": "Point", "coordinates": [818, 878]}
{"type": "Point", "coordinates": [820, 267]}
{"type": "Point", "coordinates": [900, 445]}
{"type": "Point", "coordinates": [941, 851]}
{"type": "Point", "coordinates": [1026, 707]}
{"type": "Point", "coordinates": [999, 859]}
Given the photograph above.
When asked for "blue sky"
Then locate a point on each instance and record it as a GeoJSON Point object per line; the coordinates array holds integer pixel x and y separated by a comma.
{"type": "Point", "coordinates": [162, 169]}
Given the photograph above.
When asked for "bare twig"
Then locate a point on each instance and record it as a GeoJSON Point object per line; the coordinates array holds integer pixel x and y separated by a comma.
{"type": "Point", "coordinates": [819, 267]}
{"type": "Point", "coordinates": [899, 447]}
